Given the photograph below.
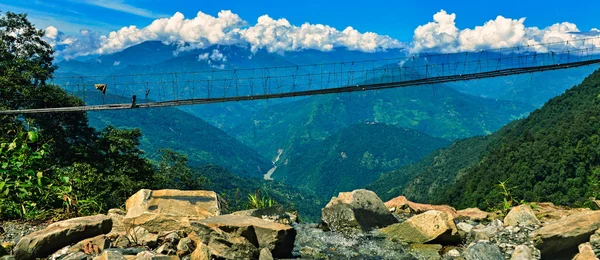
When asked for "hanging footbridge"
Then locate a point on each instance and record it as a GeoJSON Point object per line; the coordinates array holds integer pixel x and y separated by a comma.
{"type": "Point", "coordinates": [147, 90]}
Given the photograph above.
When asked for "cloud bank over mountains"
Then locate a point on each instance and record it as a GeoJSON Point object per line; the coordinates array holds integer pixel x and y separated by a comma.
{"type": "Point", "coordinates": [442, 35]}
{"type": "Point", "coordinates": [279, 36]}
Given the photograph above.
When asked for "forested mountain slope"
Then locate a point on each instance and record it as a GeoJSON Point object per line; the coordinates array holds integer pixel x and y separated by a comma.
{"type": "Point", "coordinates": [552, 155]}
{"type": "Point", "coordinates": [354, 157]}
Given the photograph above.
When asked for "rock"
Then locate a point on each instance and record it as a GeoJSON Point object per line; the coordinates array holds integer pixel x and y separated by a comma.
{"type": "Point", "coordinates": [76, 256]}
{"type": "Point", "coordinates": [585, 252]}
{"type": "Point", "coordinates": [110, 255]}
{"type": "Point", "coordinates": [202, 252]}
{"type": "Point", "coordinates": [142, 237]}
{"type": "Point", "coordinates": [564, 235]}
{"type": "Point", "coordinates": [547, 212]}
{"type": "Point", "coordinates": [453, 253]}
{"type": "Point", "coordinates": [265, 254]}
{"type": "Point", "coordinates": [165, 257]}
{"type": "Point", "coordinates": [595, 239]}
{"type": "Point", "coordinates": [185, 246]}
{"type": "Point", "coordinates": [122, 241]}
{"type": "Point", "coordinates": [359, 210]}
{"type": "Point", "coordinates": [275, 213]}
{"type": "Point", "coordinates": [480, 251]}
{"type": "Point", "coordinates": [425, 251]}
{"type": "Point", "coordinates": [464, 227]}
{"type": "Point", "coordinates": [172, 237]}
{"type": "Point", "coordinates": [165, 249]}
{"type": "Point", "coordinates": [91, 246]}
{"type": "Point", "coordinates": [195, 204]}
{"type": "Point", "coordinates": [276, 237]}
{"type": "Point", "coordinates": [473, 214]}
{"type": "Point", "coordinates": [432, 226]}
{"type": "Point", "coordinates": [42, 243]}
{"type": "Point", "coordinates": [522, 252]}
{"type": "Point", "coordinates": [484, 233]}
{"type": "Point", "coordinates": [8, 245]}
{"type": "Point", "coordinates": [523, 215]}
{"type": "Point", "coordinates": [156, 223]}
{"type": "Point", "coordinates": [401, 204]}
{"type": "Point", "coordinates": [117, 216]}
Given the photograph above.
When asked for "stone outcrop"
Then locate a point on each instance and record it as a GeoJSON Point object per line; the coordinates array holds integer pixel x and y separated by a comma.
{"type": "Point", "coordinates": [42, 243]}
{"type": "Point", "coordinates": [277, 238]}
{"type": "Point", "coordinates": [564, 235]}
{"type": "Point", "coordinates": [359, 210]}
{"type": "Point", "coordinates": [521, 215]}
{"type": "Point", "coordinates": [430, 227]}
{"type": "Point", "coordinates": [402, 205]}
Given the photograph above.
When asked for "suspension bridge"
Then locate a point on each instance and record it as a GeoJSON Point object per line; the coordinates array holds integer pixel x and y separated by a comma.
{"type": "Point", "coordinates": [147, 90]}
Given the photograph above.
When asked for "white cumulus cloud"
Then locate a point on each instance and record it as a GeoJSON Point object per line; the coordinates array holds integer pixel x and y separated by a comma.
{"type": "Point", "coordinates": [228, 28]}
{"type": "Point", "coordinates": [442, 35]}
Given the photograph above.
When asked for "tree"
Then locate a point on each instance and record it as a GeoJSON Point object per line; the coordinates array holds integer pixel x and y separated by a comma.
{"type": "Point", "coordinates": [26, 64]}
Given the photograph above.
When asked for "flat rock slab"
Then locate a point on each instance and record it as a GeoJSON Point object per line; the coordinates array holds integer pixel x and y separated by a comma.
{"type": "Point", "coordinates": [43, 243]}
{"type": "Point", "coordinates": [402, 204]}
{"type": "Point", "coordinates": [473, 214]}
{"type": "Point", "coordinates": [278, 238]}
{"type": "Point", "coordinates": [194, 204]}
{"type": "Point", "coordinates": [432, 226]}
{"type": "Point", "coordinates": [563, 236]}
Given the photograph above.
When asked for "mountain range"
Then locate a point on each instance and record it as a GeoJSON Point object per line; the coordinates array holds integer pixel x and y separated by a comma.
{"type": "Point", "coordinates": [302, 141]}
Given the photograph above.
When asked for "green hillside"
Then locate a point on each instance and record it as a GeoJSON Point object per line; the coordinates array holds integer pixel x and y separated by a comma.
{"type": "Point", "coordinates": [354, 157]}
{"type": "Point", "coordinates": [172, 128]}
{"type": "Point", "coordinates": [552, 155]}
{"type": "Point", "coordinates": [439, 112]}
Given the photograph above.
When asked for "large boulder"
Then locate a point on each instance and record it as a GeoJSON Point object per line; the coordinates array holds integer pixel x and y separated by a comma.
{"type": "Point", "coordinates": [401, 204]}
{"type": "Point", "coordinates": [278, 238]}
{"type": "Point", "coordinates": [521, 215]}
{"type": "Point", "coordinates": [156, 223]}
{"type": "Point", "coordinates": [42, 243]}
{"type": "Point", "coordinates": [194, 204]}
{"type": "Point", "coordinates": [562, 237]}
{"type": "Point", "coordinates": [430, 227]}
{"type": "Point", "coordinates": [359, 210]}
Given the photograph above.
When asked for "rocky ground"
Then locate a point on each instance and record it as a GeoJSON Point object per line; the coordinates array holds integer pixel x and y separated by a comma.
{"type": "Point", "coordinates": [172, 224]}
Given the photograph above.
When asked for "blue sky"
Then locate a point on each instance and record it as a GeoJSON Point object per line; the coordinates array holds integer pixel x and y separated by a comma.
{"type": "Point", "coordinates": [397, 19]}
{"type": "Point", "coordinates": [86, 27]}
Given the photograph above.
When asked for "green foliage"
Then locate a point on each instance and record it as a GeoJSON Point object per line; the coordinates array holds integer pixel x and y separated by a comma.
{"type": "Point", "coordinates": [28, 188]}
{"type": "Point", "coordinates": [173, 172]}
{"type": "Point", "coordinates": [258, 201]}
{"type": "Point", "coordinates": [426, 179]}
